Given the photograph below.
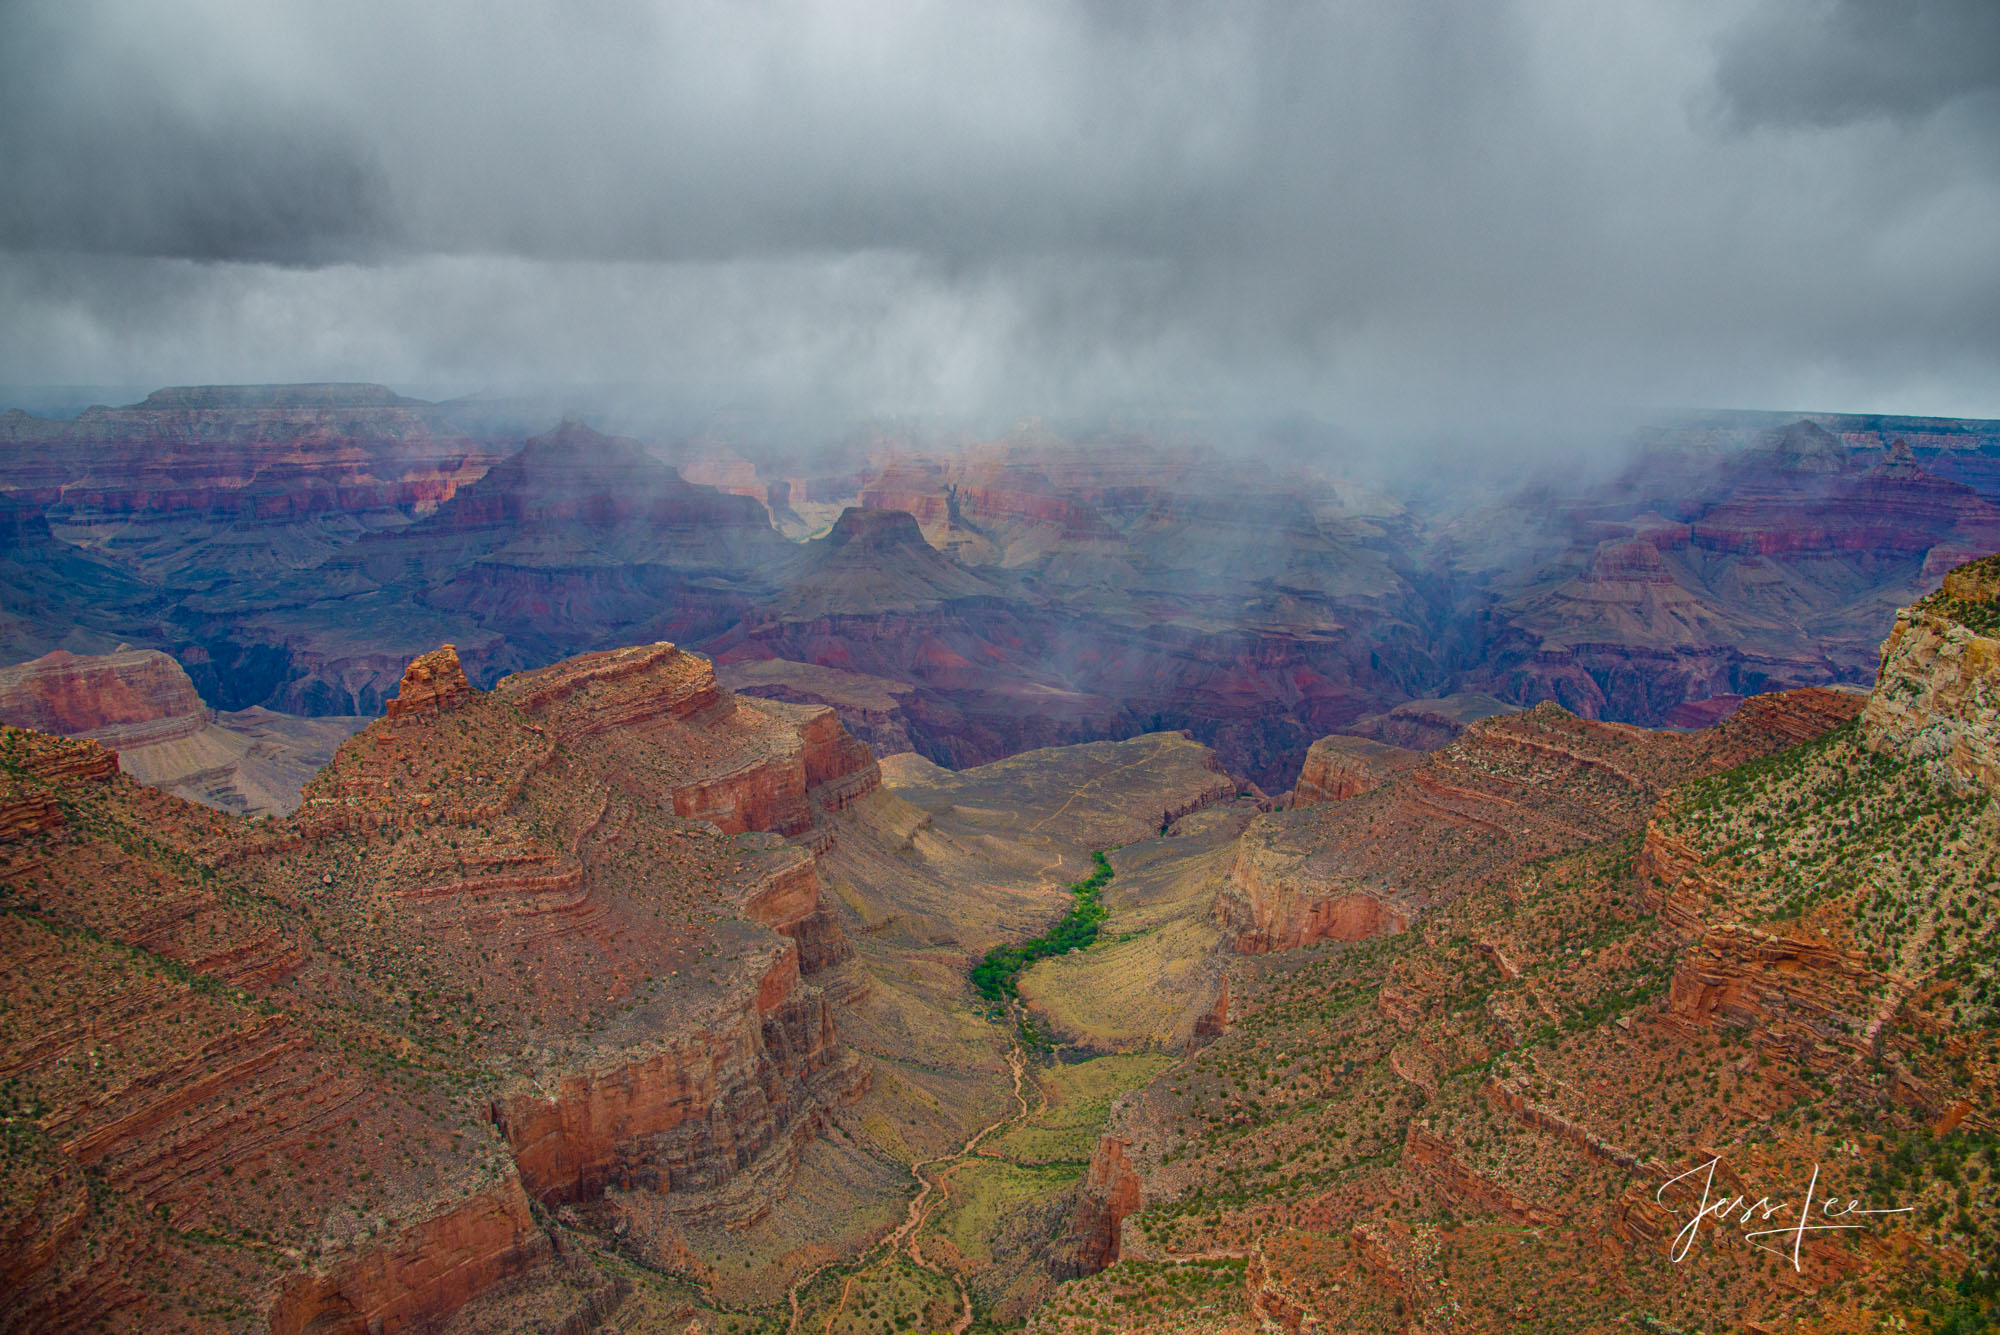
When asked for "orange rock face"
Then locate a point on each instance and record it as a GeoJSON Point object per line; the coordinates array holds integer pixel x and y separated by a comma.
{"type": "Point", "coordinates": [485, 962]}
{"type": "Point", "coordinates": [770, 1058]}
{"type": "Point", "coordinates": [115, 698]}
{"type": "Point", "coordinates": [1338, 767]}
{"type": "Point", "coordinates": [430, 682]}
{"type": "Point", "coordinates": [142, 704]}
{"type": "Point", "coordinates": [431, 1269]}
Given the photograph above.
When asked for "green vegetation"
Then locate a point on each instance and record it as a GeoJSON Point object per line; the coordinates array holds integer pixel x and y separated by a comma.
{"type": "Point", "coordinates": [1981, 617]}
{"type": "Point", "coordinates": [998, 975]}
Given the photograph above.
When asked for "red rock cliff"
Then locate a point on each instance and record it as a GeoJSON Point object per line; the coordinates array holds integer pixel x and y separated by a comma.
{"type": "Point", "coordinates": [130, 698]}
{"type": "Point", "coordinates": [1109, 1194]}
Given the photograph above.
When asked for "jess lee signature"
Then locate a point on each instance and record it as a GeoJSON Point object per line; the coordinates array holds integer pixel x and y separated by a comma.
{"type": "Point", "coordinates": [1763, 1210]}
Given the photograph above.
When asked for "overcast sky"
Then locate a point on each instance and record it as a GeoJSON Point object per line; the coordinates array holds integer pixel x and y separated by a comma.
{"type": "Point", "coordinates": [1386, 214]}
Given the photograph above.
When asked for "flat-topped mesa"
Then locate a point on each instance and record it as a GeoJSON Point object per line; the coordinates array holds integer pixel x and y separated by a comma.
{"type": "Point", "coordinates": [430, 682]}
{"type": "Point", "coordinates": [1937, 694]}
{"type": "Point", "coordinates": [875, 530]}
{"type": "Point", "coordinates": [1429, 725]}
{"type": "Point", "coordinates": [1340, 766]}
{"type": "Point", "coordinates": [134, 697]}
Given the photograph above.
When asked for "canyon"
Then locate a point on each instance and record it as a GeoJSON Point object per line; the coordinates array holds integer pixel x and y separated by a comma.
{"type": "Point", "coordinates": [606, 998]}
{"type": "Point", "coordinates": [1499, 1004]}
{"type": "Point", "coordinates": [605, 964]}
{"type": "Point", "coordinates": [294, 546]}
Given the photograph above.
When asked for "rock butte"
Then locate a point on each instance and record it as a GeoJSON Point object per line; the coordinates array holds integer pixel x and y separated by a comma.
{"type": "Point", "coordinates": [141, 704]}
{"type": "Point", "coordinates": [476, 852]}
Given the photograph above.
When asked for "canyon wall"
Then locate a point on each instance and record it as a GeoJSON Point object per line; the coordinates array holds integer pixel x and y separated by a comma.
{"type": "Point", "coordinates": [1109, 1194]}
{"type": "Point", "coordinates": [484, 964]}
{"type": "Point", "coordinates": [1938, 696]}
{"type": "Point", "coordinates": [1341, 766]}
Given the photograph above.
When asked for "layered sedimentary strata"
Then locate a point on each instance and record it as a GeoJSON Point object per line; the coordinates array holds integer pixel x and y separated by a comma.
{"type": "Point", "coordinates": [1429, 725]}
{"type": "Point", "coordinates": [1519, 786]}
{"type": "Point", "coordinates": [783, 891]}
{"type": "Point", "coordinates": [1636, 957]}
{"type": "Point", "coordinates": [871, 708]}
{"type": "Point", "coordinates": [1039, 593]}
{"type": "Point", "coordinates": [432, 681]}
{"type": "Point", "coordinates": [432, 1268]}
{"type": "Point", "coordinates": [484, 962]}
{"type": "Point", "coordinates": [124, 699]}
{"type": "Point", "coordinates": [1109, 1194]}
{"type": "Point", "coordinates": [142, 704]}
{"type": "Point", "coordinates": [742, 765]}
{"type": "Point", "coordinates": [1338, 767]}
{"type": "Point", "coordinates": [1937, 699]}
{"type": "Point", "coordinates": [740, 1076]}
{"type": "Point", "coordinates": [1266, 909]}
{"type": "Point", "coordinates": [1686, 580]}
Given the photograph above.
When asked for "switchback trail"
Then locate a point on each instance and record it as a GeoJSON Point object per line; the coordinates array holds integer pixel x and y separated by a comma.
{"type": "Point", "coordinates": [903, 1239]}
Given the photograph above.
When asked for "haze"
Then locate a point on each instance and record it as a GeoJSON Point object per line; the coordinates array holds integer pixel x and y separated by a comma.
{"type": "Point", "coordinates": [1472, 218]}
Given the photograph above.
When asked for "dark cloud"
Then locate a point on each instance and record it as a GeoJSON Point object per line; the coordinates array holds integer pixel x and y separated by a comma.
{"type": "Point", "coordinates": [1468, 214]}
{"type": "Point", "coordinates": [1841, 61]}
{"type": "Point", "coordinates": [118, 149]}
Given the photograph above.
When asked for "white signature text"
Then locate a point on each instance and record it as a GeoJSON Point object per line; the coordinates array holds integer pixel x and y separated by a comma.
{"type": "Point", "coordinates": [1833, 1216]}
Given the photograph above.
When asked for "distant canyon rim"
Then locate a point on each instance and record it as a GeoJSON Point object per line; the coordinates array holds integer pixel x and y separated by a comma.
{"type": "Point", "coordinates": [292, 547]}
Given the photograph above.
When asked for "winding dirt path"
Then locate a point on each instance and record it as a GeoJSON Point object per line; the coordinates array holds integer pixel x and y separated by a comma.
{"type": "Point", "coordinates": [903, 1239]}
{"type": "Point", "coordinates": [1092, 783]}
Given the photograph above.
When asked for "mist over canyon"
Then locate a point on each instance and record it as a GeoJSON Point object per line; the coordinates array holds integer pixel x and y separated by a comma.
{"type": "Point", "coordinates": [1031, 883]}
{"type": "Point", "coordinates": [824, 667]}
{"type": "Point", "coordinates": [968, 598]}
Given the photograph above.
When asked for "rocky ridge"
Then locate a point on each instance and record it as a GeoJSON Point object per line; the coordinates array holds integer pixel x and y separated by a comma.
{"type": "Point", "coordinates": [1936, 698]}
{"type": "Point", "coordinates": [1768, 951]}
{"type": "Point", "coordinates": [433, 995]}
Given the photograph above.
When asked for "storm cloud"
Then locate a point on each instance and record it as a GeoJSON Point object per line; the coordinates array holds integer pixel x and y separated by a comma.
{"type": "Point", "coordinates": [1450, 216]}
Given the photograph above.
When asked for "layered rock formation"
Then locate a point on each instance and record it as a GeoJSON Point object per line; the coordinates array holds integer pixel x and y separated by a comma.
{"type": "Point", "coordinates": [1936, 699]}
{"type": "Point", "coordinates": [431, 682]}
{"type": "Point", "coordinates": [576, 542]}
{"type": "Point", "coordinates": [1110, 1194]}
{"type": "Point", "coordinates": [1513, 786]}
{"type": "Point", "coordinates": [1429, 725]}
{"type": "Point", "coordinates": [1693, 579]}
{"type": "Point", "coordinates": [295, 546]}
{"type": "Point", "coordinates": [648, 1119]}
{"type": "Point", "coordinates": [1643, 970]}
{"type": "Point", "coordinates": [199, 481]}
{"type": "Point", "coordinates": [141, 704]}
{"type": "Point", "coordinates": [483, 963]}
{"type": "Point", "coordinates": [1338, 767]}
